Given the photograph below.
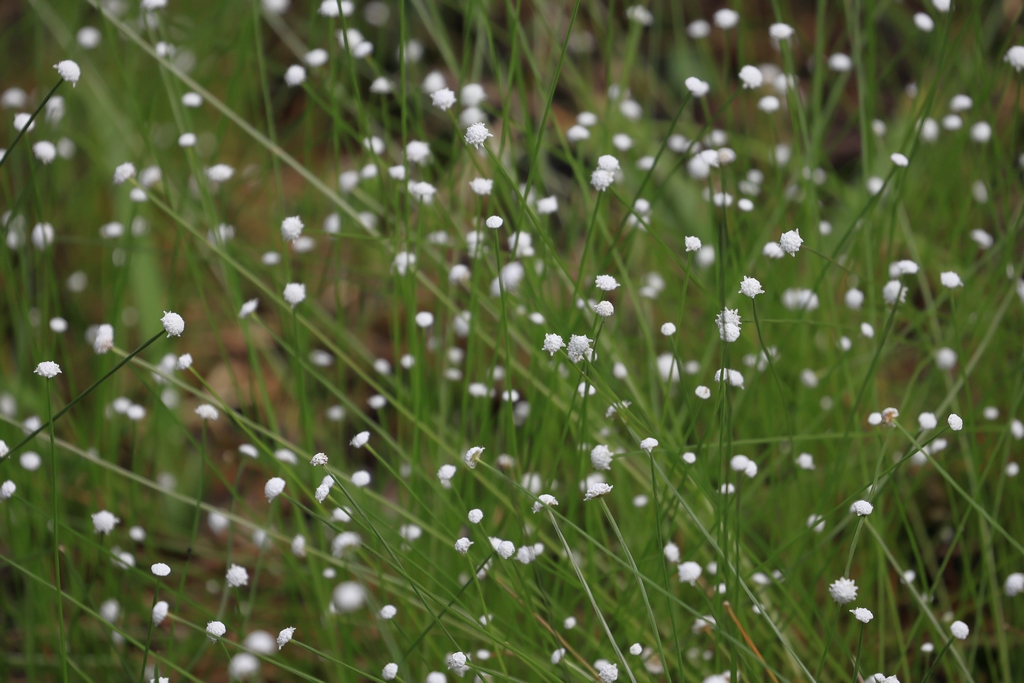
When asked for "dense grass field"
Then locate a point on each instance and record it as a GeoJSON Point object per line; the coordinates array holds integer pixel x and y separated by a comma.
{"type": "Point", "coordinates": [511, 341]}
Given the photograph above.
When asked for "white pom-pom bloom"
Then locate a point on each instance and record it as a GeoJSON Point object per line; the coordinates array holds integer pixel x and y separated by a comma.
{"type": "Point", "coordinates": [950, 279]}
{"type": "Point", "coordinates": [578, 347]}
{"type": "Point", "coordinates": [597, 490]}
{"type": "Point", "coordinates": [894, 292]}
{"type": "Point", "coordinates": [207, 412]}
{"type": "Point", "coordinates": [69, 71]}
{"type": "Point", "coordinates": [45, 151]}
{"type": "Point", "coordinates": [494, 222]}
{"type": "Point", "coordinates": [215, 630]}
{"type": "Point", "coordinates": [899, 159]}
{"type": "Point", "coordinates": [7, 490]}
{"type": "Point", "coordinates": [697, 87]}
{"type": "Point", "coordinates": [692, 243]}
{"type": "Point", "coordinates": [472, 456]}
{"type": "Point", "coordinates": [649, 444]}
{"type": "Point", "coordinates": [606, 283]}
{"type": "Point", "coordinates": [955, 422]}
{"type": "Point", "coordinates": [124, 173]}
{"type": "Point", "coordinates": [609, 673]}
{"type": "Point", "coordinates": [360, 440]}
{"type": "Point", "coordinates": [689, 572]}
{"type": "Point", "coordinates": [273, 488]}
{"type": "Point", "coordinates": [389, 672]}
{"type": "Point", "coordinates": [1014, 584]}
{"type": "Point", "coordinates": [237, 576]}
{"type": "Point", "coordinates": [862, 615]}
{"type": "Point", "coordinates": [462, 545]}
{"type": "Point", "coordinates": [750, 287]}
{"type": "Point", "coordinates": [960, 630]}
{"type": "Point", "coordinates": [159, 612]}
{"type": "Point", "coordinates": [552, 343]}
{"type": "Point", "coordinates": [388, 612]}
{"type": "Point", "coordinates": [220, 173]}
{"type": "Point", "coordinates": [475, 516]}
{"type": "Point", "coordinates": [862, 508]}
{"type": "Point", "coordinates": [294, 293]}
{"type": "Point", "coordinates": [160, 569]}
{"type": "Point", "coordinates": [1015, 57]}
{"type": "Point", "coordinates": [285, 636]}
{"type": "Point", "coordinates": [173, 324]}
{"type": "Point", "coordinates": [477, 134]}
{"type": "Point", "coordinates": [840, 63]}
{"type": "Point", "coordinates": [781, 31]}
{"type": "Point", "coordinates": [843, 590]}
{"type": "Point", "coordinates": [702, 392]}
{"type": "Point", "coordinates": [103, 522]}
{"type": "Point", "coordinates": [291, 228]}
{"type": "Point", "coordinates": [790, 242]}
{"type": "Point", "coordinates": [751, 77]}
{"type": "Point", "coordinates": [604, 309]}
{"type": "Point", "coordinates": [47, 369]}
{"type": "Point", "coordinates": [668, 329]}
{"type": "Point", "coordinates": [443, 99]}
{"type": "Point", "coordinates": [941, 5]}
{"type": "Point", "coordinates": [295, 75]}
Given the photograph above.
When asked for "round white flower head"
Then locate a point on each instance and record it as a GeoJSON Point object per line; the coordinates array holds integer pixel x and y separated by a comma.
{"type": "Point", "coordinates": [843, 590]}
{"type": "Point", "coordinates": [862, 508]}
{"type": "Point", "coordinates": [273, 488]}
{"type": "Point", "coordinates": [481, 186]}
{"type": "Point", "coordinates": [649, 444]}
{"type": "Point", "coordinates": [542, 500]}
{"type": "Point", "coordinates": [494, 222]}
{"type": "Point", "coordinates": [295, 75]}
{"type": "Point", "coordinates": [950, 279]}
{"type": "Point", "coordinates": [445, 473]}
{"type": "Point", "coordinates": [955, 422]}
{"type": "Point", "coordinates": [607, 162]}
{"type": "Point", "coordinates": [477, 134]}
{"type": "Point", "coordinates": [389, 672]}
{"type": "Point", "coordinates": [781, 31]}
{"type": "Point", "coordinates": [668, 329]}
{"type": "Point", "coordinates": [960, 630]}
{"type": "Point", "coordinates": [750, 287]}
{"type": "Point", "coordinates": [840, 62]}
{"type": "Point", "coordinates": [294, 293]}
{"type": "Point", "coordinates": [726, 19]}
{"type": "Point", "coordinates": [318, 459]}
{"type": "Point", "coordinates": [173, 324]}
{"type": "Point", "coordinates": [505, 549]}
{"type": "Point", "coordinates": [738, 463]}
{"type": "Point", "coordinates": [552, 343]}
{"type": "Point", "coordinates": [635, 649]}
{"type": "Point", "coordinates": [160, 569]}
{"type": "Point", "coordinates": [894, 292]}
{"type": "Point", "coordinates": [124, 173]}
{"type": "Point", "coordinates": [215, 630]}
{"type": "Point", "coordinates": [609, 673]}
{"type": "Point", "coordinates": [702, 392]}
{"type": "Point", "coordinates": [388, 612]}
{"type": "Point", "coordinates": [941, 5]}
{"type": "Point", "coordinates": [728, 322]}
{"type": "Point", "coordinates": [597, 490]}
{"type": "Point", "coordinates": [862, 615]}
{"type": "Point", "coordinates": [159, 612]}
{"type": "Point", "coordinates": [601, 179]}
{"type": "Point", "coordinates": [689, 572]}
{"type": "Point", "coordinates": [457, 662]}
{"type": "Point", "coordinates": [899, 159]}
{"type": "Point", "coordinates": [751, 77]}
{"type": "Point", "coordinates": [69, 71]}
{"type": "Point", "coordinates": [692, 243]}
{"type": "Point", "coordinates": [790, 242]}
{"type": "Point", "coordinates": [184, 362]}
{"type": "Point", "coordinates": [103, 522]}
{"type": "Point", "coordinates": [291, 228]}
{"type": "Point", "coordinates": [578, 347]}
{"type": "Point", "coordinates": [472, 456]}
{"type": "Point", "coordinates": [1014, 584]}
{"type": "Point", "coordinates": [237, 576]}
{"type": "Point", "coordinates": [604, 309]}
{"type": "Point", "coordinates": [285, 636]}
{"type": "Point", "coordinates": [1015, 57]}
{"type": "Point", "coordinates": [606, 283]}
{"type": "Point", "coordinates": [7, 490]}
{"type": "Point", "coordinates": [47, 369]}
{"type": "Point", "coordinates": [443, 99]}
{"type": "Point", "coordinates": [220, 173]}
{"type": "Point", "coordinates": [475, 516]}
{"type": "Point", "coordinates": [45, 151]}
{"type": "Point", "coordinates": [207, 412]}
{"type": "Point", "coordinates": [360, 440]}
{"type": "Point", "coordinates": [697, 87]}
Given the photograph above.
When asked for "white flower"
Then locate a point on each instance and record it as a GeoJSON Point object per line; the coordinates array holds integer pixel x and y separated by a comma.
{"type": "Point", "coordinates": [668, 329]}
{"type": "Point", "coordinates": [597, 490]}
{"type": "Point", "coordinates": [273, 488]}
{"type": "Point", "coordinates": [702, 392]}
{"type": "Point", "coordinates": [606, 283]}
{"type": "Point", "coordinates": [285, 636]}
{"type": "Point", "coordinates": [505, 549]}
{"type": "Point", "coordinates": [443, 99]}
{"type": "Point", "coordinates": [781, 31]}
{"type": "Point", "coordinates": [955, 422]}
{"type": "Point", "coordinates": [477, 134]}
{"type": "Point", "coordinates": [602, 179]}
{"type": "Point", "coordinates": [294, 293]}
{"type": "Point", "coordinates": [609, 673]}
{"type": "Point", "coordinates": [103, 522]}
{"type": "Point", "coordinates": [692, 243]}
{"type": "Point", "coordinates": [840, 62]}
{"type": "Point", "coordinates": [941, 5]}
{"type": "Point", "coordinates": [173, 324]}
{"type": "Point", "coordinates": [649, 444]}
{"type": "Point", "coordinates": [481, 186]}
{"type": "Point", "coordinates": [7, 490]}
{"type": "Point", "coordinates": [360, 440]}
{"type": "Point", "coordinates": [960, 630]}
{"type": "Point", "coordinates": [552, 343]}
{"type": "Point", "coordinates": [124, 173]}
{"type": "Point", "coordinates": [207, 412]}
{"type": "Point", "coordinates": [318, 459]}
{"type": "Point", "coordinates": [248, 308]}
{"type": "Point", "coordinates": [579, 346]}
{"type": "Point", "coordinates": [726, 19]}
{"type": "Point", "coordinates": [389, 672]}
{"type": "Point", "coordinates": [805, 461]}
{"type": "Point", "coordinates": [184, 362]}
{"type": "Point", "coordinates": [894, 292]}
{"type": "Point", "coordinates": [601, 457]}
{"type": "Point", "coordinates": [689, 572]}
{"type": "Point", "coordinates": [751, 77]}
{"type": "Point", "coordinates": [220, 173]}
{"type": "Point", "coordinates": [862, 508]}
{"type": "Point", "coordinates": [69, 71]}
{"type": "Point", "coordinates": [604, 309]}
{"type": "Point", "coordinates": [862, 615]}
{"type": "Point", "coordinates": [1014, 584]}
{"type": "Point", "coordinates": [728, 322]}
{"type": "Point", "coordinates": [45, 151]}
{"type": "Point", "coordinates": [790, 242]}
{"type": "Point", "coordinates": [47, 369]}
{"type": "Point", "coordinates": [494, 222]}
{"type": "Point", "coordinates": [445, 474]}
{"type": "Point", "coordinates": [160, 569]}
{"type": "Point", "coordinates": [950, 279]}
{"type": "Point", "coordinates": [542, 500]}
{"type": "Point", "coordinates": [237, 576]}
{"type": "Point", "coordinates": [1015, 57]}
{"type": "Point", "coordinates": [697, 87]}
{"type": "Point", "coordinates": [215, 630]}
{"type": "Point", "coordinates": [472, 456]}
{"type": "Point", "coordinates": [295, 75]}
{"type": "Point", "coordinates": [475, 516]}
{"type": "Point", "coordinates": [750, 287]}
{"type": "Point", "coordinates": [899, 159]}
{"type": "Point", "coordinates": [159, 612]}
{"type": "Point", "coordinates": [843, 590]}
{"type": "Point", "coordinates": [291, 228]}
